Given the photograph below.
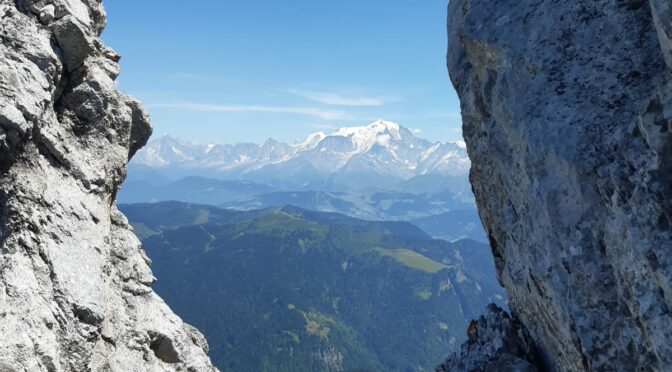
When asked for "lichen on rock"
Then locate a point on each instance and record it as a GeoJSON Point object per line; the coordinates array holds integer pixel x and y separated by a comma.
{"type": "Point", "coordinates": [567, 111]}
{"type": "Point", "coordinates": [75, 289]}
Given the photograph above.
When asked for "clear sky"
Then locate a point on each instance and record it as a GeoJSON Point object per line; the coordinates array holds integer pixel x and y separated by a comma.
{"type": "Point", "coordinates": [228, 71]}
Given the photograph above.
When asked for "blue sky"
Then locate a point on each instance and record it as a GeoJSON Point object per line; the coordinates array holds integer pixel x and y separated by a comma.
{"type": "Point", "coordinates": [245, 70]}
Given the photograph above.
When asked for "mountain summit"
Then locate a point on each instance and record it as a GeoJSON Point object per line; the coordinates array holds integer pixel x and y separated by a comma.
{"type": "Point", "coordinates": [364, 156]}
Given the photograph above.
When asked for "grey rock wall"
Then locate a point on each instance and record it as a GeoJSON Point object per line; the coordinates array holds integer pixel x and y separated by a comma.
{"type": "Point", "coordinates": [567, 112]}
{"type": "Point", "coordinates": [496, 342]}
{"type": "Point", "coordinates": [74, 282]}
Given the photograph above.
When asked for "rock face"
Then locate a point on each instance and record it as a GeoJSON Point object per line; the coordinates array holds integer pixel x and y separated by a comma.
{"type": "Point", "coordinates": [74, 282]}
{"type": "Point", "coordinates": [567, 110]}
{"type": "Point", "coordinates": [494, 341]}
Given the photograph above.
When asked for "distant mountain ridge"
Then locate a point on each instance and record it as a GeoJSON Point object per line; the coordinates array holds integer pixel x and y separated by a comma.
{"type": "Point", "coordinates": [374, 155]}
{"type": "Point", "coordinates": [368, 205]}
{"type": "Point", "coordinates": [445, 214]}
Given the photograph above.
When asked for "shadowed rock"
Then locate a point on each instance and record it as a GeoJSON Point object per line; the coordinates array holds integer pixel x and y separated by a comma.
{"type": "Point", "coordinates": [567, 111]}
{"type": "Point", "coordinates": [495, 341]}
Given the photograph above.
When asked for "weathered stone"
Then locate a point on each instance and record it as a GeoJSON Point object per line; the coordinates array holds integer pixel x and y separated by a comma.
{"type": "Point", "coordinates": [662, 16]}
{"type": "Point", "coordinates": [567, 115]}
{"type": "Point", "coordinates": [74, 40]}
{"type": "Point", "coordinates": [47, 14]}
{"type": "Point", "coordinates": [75, 289]}
{"type": "Point", "coordinates": [497, 340]}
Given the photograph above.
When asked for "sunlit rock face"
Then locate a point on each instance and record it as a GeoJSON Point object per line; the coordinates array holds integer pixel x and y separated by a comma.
{"type": "Point", "coordinates": [74, 282]}
{"type": "Point", "coordinates": [567, 110]}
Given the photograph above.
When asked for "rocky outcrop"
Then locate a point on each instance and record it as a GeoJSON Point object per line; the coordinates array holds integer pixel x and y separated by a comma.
{"type": "Point", "coordinates": [74, 282]}
{"type": "Point", "coordinates": [567, 111]}
{"type": "Point", "coordinates": [494, 340]}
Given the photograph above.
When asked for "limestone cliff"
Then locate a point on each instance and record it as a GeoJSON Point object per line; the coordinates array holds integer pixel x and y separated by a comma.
{"type": "Point", "coordinates": [567, 111]}
{"type": "Point", "coordinates": [74, 282]}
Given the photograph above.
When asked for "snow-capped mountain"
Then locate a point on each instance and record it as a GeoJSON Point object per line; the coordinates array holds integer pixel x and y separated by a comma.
{"type": "Point", "coordinates": [368, 156]}
{"type": "Point", "coordinates": [444, 158]}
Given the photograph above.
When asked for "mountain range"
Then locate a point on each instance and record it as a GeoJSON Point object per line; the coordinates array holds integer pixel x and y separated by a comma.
{"type": "Point", "coordinates": [286, 289]}
{"type": "Point", "coordinates": [381, 154]}
{"type": "Point", "coordinates": [375, 172]}
{"type": "Point", "coordinates": [445, 214]}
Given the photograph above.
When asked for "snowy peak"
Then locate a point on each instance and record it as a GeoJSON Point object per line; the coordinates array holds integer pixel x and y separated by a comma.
{"type": "Point", "coordinates": [444, 158]}
{"type": "Point", "coordinates": [379, 132]}
{"type": "Point", "coordinates": [311, 141]}
{"type": "Point", "coordinates": [383, 149]}
{"type": "Point", "coordinates": [379, 127]}
{"type": "Point", "coordinates": [167, 150]}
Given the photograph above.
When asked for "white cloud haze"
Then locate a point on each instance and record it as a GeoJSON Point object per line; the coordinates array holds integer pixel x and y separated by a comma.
{"type": "Point", "coordinates": [341, 100]}
{"type": "Point", "coordinates": [309, 111]}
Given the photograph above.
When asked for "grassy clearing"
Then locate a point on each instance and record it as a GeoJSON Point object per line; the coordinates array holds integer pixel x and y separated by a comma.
{"type": "Point", "coordinates": [412, 259]}
{"type": "Point", "coordinates": [203, 216]}
{"type": "Point", "coordinates": [425, 295]}
{"type": "Point", "coordinates": [142, 231]}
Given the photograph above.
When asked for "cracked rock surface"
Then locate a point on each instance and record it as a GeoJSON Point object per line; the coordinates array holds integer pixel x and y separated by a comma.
{"type": "Point", "coordinates": [567, 112]}
{"type": "Point", "coordinates": [74, 282]}
{"type": "Point", "coordinates": [497, 340]}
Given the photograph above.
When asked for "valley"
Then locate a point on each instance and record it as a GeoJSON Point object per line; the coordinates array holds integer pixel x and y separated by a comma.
{"type": "Point", "coordinates": [289, 289]}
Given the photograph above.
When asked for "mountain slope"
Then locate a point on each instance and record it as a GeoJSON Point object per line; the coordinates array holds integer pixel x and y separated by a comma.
{"type": "Point", "coordinates": [285, 289]}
